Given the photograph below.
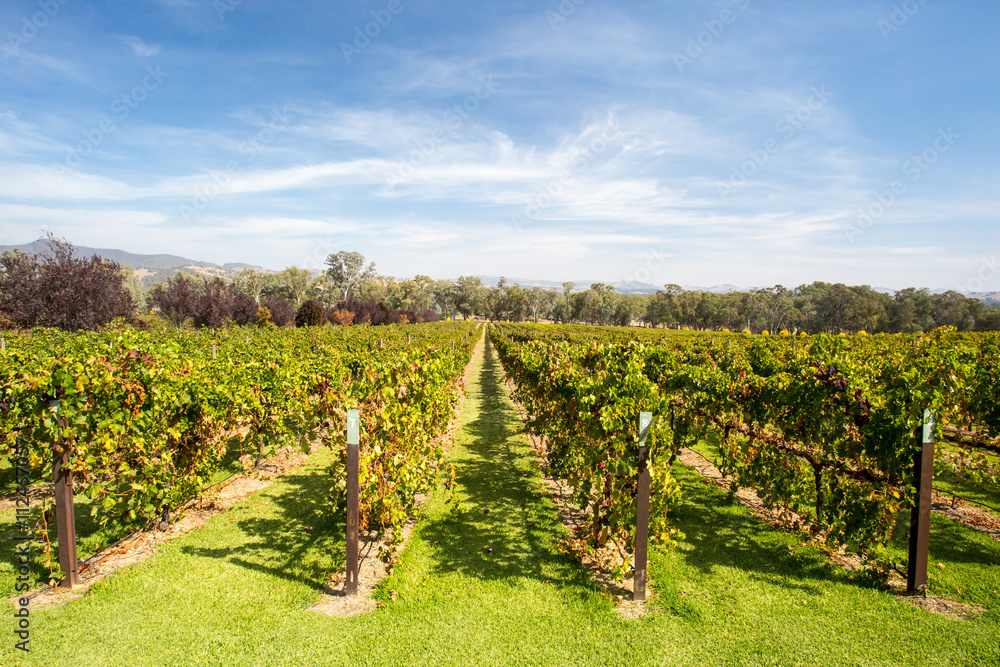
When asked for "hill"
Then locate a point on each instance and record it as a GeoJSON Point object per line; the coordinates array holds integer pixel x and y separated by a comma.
{"type": "Point", "coordinates": [150, 269]}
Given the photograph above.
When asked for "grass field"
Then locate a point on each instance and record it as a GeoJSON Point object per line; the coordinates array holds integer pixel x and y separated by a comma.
{"type": "Point", "coordinates": [735, 592]}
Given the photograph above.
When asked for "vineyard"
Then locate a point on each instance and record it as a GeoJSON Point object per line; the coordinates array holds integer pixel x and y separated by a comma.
{"type": "Point", "coordinates": [142, 421]}
{"type": "Point", "coordinates": [824, 429]}
{"type": "Point", "coordinates": [824, 426]}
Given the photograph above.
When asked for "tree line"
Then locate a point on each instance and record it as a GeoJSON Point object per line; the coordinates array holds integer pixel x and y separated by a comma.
{"type": "Point", "coordinates": [57, 289]}
{"type": "Point", "coordinates": [816, 308]}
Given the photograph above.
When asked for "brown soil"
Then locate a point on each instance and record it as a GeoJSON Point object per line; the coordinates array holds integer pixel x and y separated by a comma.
{"type": "Point", "coordinates": [371, 572]}
{"type": "Point", "coordinates": [947, 608]}
{"type": "Point", "coordinates": [195, 515]}
{"type": "Point", "coordinates": [35, 495]}
{"type": "Point", "coordinates": [601, 562]}
{"type": "Point", "coordinates": [747, 497]}
{"type": "Point", "coordinates": [966, 514]}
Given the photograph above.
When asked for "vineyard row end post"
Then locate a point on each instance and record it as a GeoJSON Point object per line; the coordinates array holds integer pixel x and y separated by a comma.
{"type": "Point", "coordinates": [62, 479]}
{"type": "Point", "coordinates": [920, 515]}
{"type": "Point", "coordinates": [642, 511]}
{"type": "Point", "coordinates": [353, 465]}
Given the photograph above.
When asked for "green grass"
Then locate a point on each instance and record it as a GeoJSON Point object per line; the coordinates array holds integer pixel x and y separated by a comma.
{"type": "Point", "coordinates": [735, 592]}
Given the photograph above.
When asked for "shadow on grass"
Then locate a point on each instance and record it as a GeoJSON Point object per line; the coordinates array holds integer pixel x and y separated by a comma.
{"type": "Point", "coordinates": [720, 533]}
{"type": "Point", "coordinates": [504, 507]}
{"type": "Point", "coordinates": [724, 535]}
{"type": "Point", "coordinates": [301, 543]}
{"type": "Point", "coordinates": [91, 537]}
{"type": "Point", "coordinates": [949, 541]}
{"type": "Point", "coordinates": [503, 502]}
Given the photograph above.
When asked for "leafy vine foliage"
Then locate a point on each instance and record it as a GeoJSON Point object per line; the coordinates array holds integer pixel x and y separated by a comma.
{"type": "Point", "coordinates": [147, 417]}
{"type": "Point", "coordinates": [824, 426]}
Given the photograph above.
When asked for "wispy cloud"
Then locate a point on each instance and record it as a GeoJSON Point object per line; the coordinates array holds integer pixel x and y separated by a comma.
{"type": "Point", "coordinates": [139, 47]}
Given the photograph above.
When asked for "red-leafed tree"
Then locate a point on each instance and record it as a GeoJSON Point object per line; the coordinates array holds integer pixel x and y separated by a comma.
{"type": "Point", "coordinates": [282, 312]}
{"type": "Point", "coordinates": [177, 299]}
{"type": "Point", "coordinates": [210, 304]}
{"type": "Point", "coordinates": [56, 289]}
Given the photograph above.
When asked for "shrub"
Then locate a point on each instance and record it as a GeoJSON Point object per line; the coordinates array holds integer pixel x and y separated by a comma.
{"type": "Point", "coordinates": [263, 317]}
{"type": "Point", "coordinates": [309, 314]}
{"type": "Point", "coordinates": [342, 317]}
{"type": "Point", "coordinates": [243, 308]}
{"type": "Point", "coordinates": [282, 312]}
{"type": "Point", "coordinates": [177, 299]}
{"type": "Point", "coordinates": [213, 309]}
{"type": "Point", "coordinates": [428, 315]}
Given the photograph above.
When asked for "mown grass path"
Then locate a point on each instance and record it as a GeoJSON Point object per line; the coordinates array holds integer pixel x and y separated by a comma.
{"type": "Point", "coordinates": [736, 592]}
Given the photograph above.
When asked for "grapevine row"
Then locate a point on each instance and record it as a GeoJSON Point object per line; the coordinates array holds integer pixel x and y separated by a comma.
{"type": "Point", "coordinates": [823, 425]}
{"type": "Point", "coordinates": [145, 418]}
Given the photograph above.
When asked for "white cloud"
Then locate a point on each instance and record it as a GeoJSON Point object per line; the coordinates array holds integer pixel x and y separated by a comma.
{"type": "Point", "coordinates": [139, 47]}
{"type": "Point", "coordinates": [11, 213]}
{"type": "Point", "coordinates": [20, 181]}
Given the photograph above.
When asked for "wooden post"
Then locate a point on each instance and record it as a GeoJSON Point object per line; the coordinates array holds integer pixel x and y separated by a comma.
{"type": "Point", "coordinates": [353, 463]}
{"type": "Point", "coordinates": [62, 480]}
{"type": "Point", "coordinates": [920, 515]}
{"type": "Point", "coordinates": [213, 350]}
{"type": "Point", "coordinates": [3, 344]}
{"type": "Point", "coordinates": [642, 511]}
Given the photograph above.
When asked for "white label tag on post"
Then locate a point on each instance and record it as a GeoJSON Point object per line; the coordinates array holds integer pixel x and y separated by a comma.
{"type": "Point", "coordinates": [645, 420]}
{"type": "Point", "coordinates": [353, 427]}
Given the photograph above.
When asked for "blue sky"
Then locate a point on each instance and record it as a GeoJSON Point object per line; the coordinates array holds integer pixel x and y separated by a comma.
{"type": "Point", "coordinates": [749, 142]}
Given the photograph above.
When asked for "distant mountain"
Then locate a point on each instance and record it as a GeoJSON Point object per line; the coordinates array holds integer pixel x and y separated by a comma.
{"type": "Point", "coordinates": [151, 262]}
{"type": "Point", "coordinates": [149, 268]}
{"type": "Point", "coordinates": [718, 289]}
{"type": "Point", "coordinates": [989, 298]}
